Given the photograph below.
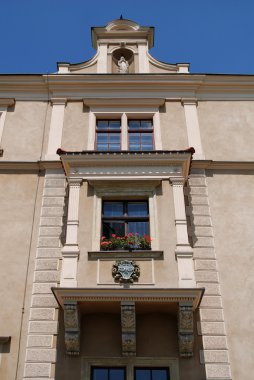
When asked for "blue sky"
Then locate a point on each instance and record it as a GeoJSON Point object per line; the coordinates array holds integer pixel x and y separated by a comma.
{"type": "Point", "coordinates": [214, 36]}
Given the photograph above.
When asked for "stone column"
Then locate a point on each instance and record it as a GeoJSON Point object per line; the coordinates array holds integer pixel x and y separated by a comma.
{"type": "Point", "coordinates": [193, 131]}
{"type": "Point", "coordinates": [56, 128]}
{"type": "Point", "coordinates": [70, 251]}
{"type": "Point", "coordinates": [184, 252]}
{"type": "Point", "coordinates": [128, 322]}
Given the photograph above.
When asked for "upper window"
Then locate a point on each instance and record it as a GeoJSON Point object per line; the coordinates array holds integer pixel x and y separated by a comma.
{"type": "Point", "coordinates": [124, 217]}
{"type": "Point", "coordinates": [108, 135]}
{"type": "Point", "coordinates": [151, 373]}
{"type": "Point", "coordinates": [140, 133]}
{"type": "Point", "coordinates": [107, 373]}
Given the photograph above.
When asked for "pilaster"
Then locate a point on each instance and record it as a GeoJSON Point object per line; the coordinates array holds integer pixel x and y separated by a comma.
{"type": "Point", "coordinates": [56, 127]}
{"type": "Point", "coordinates": [4, 104]}
{"type": "Point", "coordinates": [192, 124]}
{"type": "Point", "coordinates": [102, 59]}
{"type": "Point", "coordinates": [70, 251]}
{"type": "Point", "coordinates": [124, 132]}
{"type": "Point", "coordinates": [184, 253]}
{"type": "Point", "coordinates": [143, 59]}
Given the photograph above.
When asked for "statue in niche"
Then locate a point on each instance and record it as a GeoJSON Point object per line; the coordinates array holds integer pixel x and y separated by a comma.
{"type": "Point", "coordinates": [123, 66]}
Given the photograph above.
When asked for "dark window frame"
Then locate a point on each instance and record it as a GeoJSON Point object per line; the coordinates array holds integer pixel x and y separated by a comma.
{"type": "Point", "coordinates": [108, 131]}
{"type": "Point", "coordinates": [125, 218]}
{"type": "Point", "coordinates": [141, 131]}
{"type": "Point", "coordinates": [167, 369]}
{"type": "Point", "coordinates": [108, 368]}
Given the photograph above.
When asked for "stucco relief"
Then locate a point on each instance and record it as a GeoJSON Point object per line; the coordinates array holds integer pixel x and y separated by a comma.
{"type": "Point", "coordinates": [72, 329]}
{"type": "Point", "coordinates": [128, 324]}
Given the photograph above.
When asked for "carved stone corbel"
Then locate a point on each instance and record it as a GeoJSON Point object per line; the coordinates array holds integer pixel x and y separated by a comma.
{"type": "Point", "coordinates": [72, 329]}
{"type": "Point", "coordinates": [128, 324]}
{"type": "Point", "coordinates": [185, 330]}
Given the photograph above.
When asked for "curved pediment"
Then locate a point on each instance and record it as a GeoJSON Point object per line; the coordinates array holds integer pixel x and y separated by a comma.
{"type": "Point", "coordinates": [122, 24]}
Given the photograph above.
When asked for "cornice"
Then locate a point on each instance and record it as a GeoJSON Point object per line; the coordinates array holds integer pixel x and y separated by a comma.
{"type": "Point", "coordinates": [193, 295]}
{"type": "Point", "coordinates": [222, 165]}
{"type": "Point", "coordinates": [7, 102]}
{"type": "Point", "coordinates": [167, 86]}
{"type": "Point", "coordinates": [29, 165]}
{"type": "Point", "coordinates": [124, 102]}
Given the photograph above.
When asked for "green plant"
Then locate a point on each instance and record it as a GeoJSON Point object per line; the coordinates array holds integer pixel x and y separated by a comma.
{"type": "Point", "coordinates": [130, 241]}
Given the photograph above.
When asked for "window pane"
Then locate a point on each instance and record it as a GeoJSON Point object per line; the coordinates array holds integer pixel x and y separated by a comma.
{"type": "Point", "coordinates": [99, 374]}
{"type": "Point", "coordinates": [102, 124]}
{"type": "Point", "coordinates": [113, 208]}
{"type": "Point", "coordinates": [146, 147]}
{"type": "Point", "coordinates": [137, 209]}
{"type": "Point", "coordinates": [133, 124]}
{"type": "Point", "coordinates": [102, 146]}
{"type": "Point", "coordinates": [109, 228]}
{"type": "Point", "coordinates": [117, 374]}
{"type": "Point", "coordinates": [102, 137]}
{"type": "Point", "coordinates": [113, 147]}
{"type": "Point", "coordinates": [140, 228]}
{"type": "Point", "coordinates": [142, 374]}
{"type": "Point", "coordinates": [146, 138]}
{"type": "Point", "coordinates": [146, 124]}
{"type": "Point", "coordinates": [134, 138]}
{"type": "Point", "coordinates": [116, 124]}
{"type": "Point", "coordinates": [160, 374]}
{"type": "Point", "coordinates": [114, 138]}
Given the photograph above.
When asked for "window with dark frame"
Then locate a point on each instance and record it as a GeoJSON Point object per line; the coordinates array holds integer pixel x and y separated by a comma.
{"type": "Point", "coordinates": [108, 135]}
{"type": "Point", "coordinates": [141, 373]}
{"type": "Point", "coordinates": [140, 135]}
{"type": "Point", "coordinates": [108, 373]}
{"type": "Point", "coordinates": [124, 217]}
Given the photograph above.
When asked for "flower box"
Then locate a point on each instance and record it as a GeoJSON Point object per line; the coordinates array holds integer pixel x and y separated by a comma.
{"type": "Point", "coordinates": [128, 242]}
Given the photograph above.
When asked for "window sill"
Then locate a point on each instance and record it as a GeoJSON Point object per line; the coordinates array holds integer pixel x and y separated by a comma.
{"type": "Point", "coordinates": [124, 254]}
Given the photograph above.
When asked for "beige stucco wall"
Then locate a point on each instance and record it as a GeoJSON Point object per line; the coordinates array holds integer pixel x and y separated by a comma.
{"type": "Point", "coordinates": [163, 272]}
{"type": "Point", "coordinates": [231, 197]}
{"type": "Point", "coordinates": [227, 129]}
{"type": "Point", "coordinates": [20, 210]}
{"type": "Point", "coordinates": [24, 129]}
{"type": "Point", "coordinates": [75, 128]}
{"type": "Point", "coordinates": [173, 126]}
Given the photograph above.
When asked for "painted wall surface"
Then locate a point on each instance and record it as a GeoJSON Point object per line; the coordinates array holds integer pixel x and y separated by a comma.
{"type": "Point", "coordinates": [173, 126]}
{"type": "Point", "coordinates": [75, 129]}
{"type": "Point", "coordinates": [19, 228]}
{"type": "Point", "coordinates": [227, 129]}
{"type": "Point", "coordinates": [24, 129]}
{"type": "Point", "coordinates": [231, 196]}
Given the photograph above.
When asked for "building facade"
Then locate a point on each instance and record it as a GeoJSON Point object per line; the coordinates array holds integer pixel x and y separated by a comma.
{"type": "Point", "coordinates": [126, 218]}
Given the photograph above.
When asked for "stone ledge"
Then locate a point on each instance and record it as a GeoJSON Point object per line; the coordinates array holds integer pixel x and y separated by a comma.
{"type": "Point", "coordinates": [134, 255]}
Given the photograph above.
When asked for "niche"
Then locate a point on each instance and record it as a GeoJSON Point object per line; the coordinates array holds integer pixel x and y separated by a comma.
{"type": "Point", "coordinates": [127, 67]}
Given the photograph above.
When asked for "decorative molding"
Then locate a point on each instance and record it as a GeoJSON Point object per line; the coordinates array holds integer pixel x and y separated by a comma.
{"type": "Point", "coordinates": [185, 329]}
{"type": "Point", "coordinates": [58, 101]}
{"type": "Point", "coordinates": [134, 255]}
{"type": "Point", "coordinates": [189, 101]}
{"type": "Point", "coordinates": [128, 325]}
{"type": "Point", "coordinates": [123, 102]}
{"type": "Point", "coordinates": [125, 271]}
{"type": "Point", "coordinates": [72, 328]}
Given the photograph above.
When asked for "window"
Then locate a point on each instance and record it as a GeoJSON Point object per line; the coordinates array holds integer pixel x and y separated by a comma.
{"type": "Point", "coordinates": [108, 135]}
{"type": "Point", "coordinates": [140, 133]}
{"type": "Point", "coordinates": [151, 373]}
{"type": "Point", "coordinates": [103, 373]}
{"type": "Point", "coordinates": [124, 217]}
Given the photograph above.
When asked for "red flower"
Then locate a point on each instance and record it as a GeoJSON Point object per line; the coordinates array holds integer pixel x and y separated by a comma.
{"type": "Point", "coordinates": [113, 235]}
{"type": "Point", "coordinates": [103, 237]}
{"type": "Point", "coordinates": [104, 243]}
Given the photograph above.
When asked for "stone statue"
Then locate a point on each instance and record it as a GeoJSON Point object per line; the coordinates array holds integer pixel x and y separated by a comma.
{"type": "Point", "coordinates": [123, 66]}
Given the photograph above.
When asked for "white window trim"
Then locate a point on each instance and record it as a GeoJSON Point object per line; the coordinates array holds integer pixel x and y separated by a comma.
{"type": "Point", "coordinates": [124, 114]}
{"type": "Point", "coordinates": [125, 191]}
{"type": "Point", "coordinates": [129, 364]}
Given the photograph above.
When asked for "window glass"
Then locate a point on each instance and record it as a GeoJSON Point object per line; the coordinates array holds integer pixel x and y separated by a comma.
{"type": "Point", "coordinates": [108, 373]}
{"type": "Point", "coordinates": [110, 228]}
{"type": "Point", "coordinates": [113, 208]}
{"type": "Point", "coordinates": [137, 209]}
{"type": "Point", "coordinates": [140, 228]}
{"type": "Point", "coordinates": [151, 374]}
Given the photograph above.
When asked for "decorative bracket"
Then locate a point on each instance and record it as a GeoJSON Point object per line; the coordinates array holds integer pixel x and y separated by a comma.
{"type": "Point", "coordinates": [128, 324]}
{"type": "Point", "coordinates": [185, 329]}
{"type": "Point", "coordinates": [125, 271]}
{"type": "Point", "coordinates": [72, 329]}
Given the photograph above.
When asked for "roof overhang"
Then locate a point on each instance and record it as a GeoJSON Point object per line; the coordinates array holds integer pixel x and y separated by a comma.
{"type": "Point", "coordinates": [126, 165]}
